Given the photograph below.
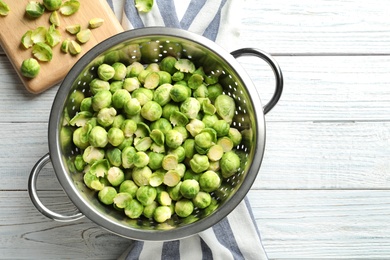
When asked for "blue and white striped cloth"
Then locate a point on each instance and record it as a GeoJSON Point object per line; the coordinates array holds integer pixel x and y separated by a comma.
{"type": "Point", "coordinates": [236, 236]}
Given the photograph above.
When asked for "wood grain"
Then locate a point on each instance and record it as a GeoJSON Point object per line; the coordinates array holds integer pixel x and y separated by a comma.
{"type": "Point", "coordinates": [15, 24]}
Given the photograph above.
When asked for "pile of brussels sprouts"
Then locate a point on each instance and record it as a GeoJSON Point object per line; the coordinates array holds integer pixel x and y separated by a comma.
{"type": "Point", "coordinates": [156, 140]}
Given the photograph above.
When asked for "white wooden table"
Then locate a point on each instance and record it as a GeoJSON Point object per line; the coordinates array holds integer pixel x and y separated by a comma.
{"type": "Point", "coordinates": [323, 188]}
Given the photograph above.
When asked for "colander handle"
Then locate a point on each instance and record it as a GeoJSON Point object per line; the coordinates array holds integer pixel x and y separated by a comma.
{"type": "Point", "coordinates": [32, 190]}
{"type": "Point", "coordinates": [275, 67]}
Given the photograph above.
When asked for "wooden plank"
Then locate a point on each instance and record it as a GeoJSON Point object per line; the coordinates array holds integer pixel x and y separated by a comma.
{"type": "Point", "coordinates": [323, 26]}
{"type": "Point", "coordinates": [16, 23]}
{"type": "Point", "coordinates": [320, 224]}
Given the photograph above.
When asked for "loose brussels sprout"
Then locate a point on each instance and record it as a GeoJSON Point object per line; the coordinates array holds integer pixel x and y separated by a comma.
{"type": "Point", "coordinates": [132, 107]}
{"type": "Point", "coordinates": [195, 126]}
{"type": "Point", "coordinates": [42, 51]}
{"type": "Point", "coordinates": [157, 178]}
{"type": "Point", "coordinates": [190, 107]}
{"type": "Point", "coordinates": [106, 116]}
{"type": "Point", "coordinates": [201, 92]}
{"type": "Point", "coordinates": [128, 157]}
{"type": "Point", "coordinates": [105, 72]}
{"type": "Point", "coordinates": [95, 23]}
{"type": "Point", "coordinates": [164, 199]}
{"type": "Point", "coordinates": [195, 81]}
{"type": "Point", "coordinates": [129, 127]}
{"type": "Point", "coordinates": [35, 9]}
{"type": "Point", "coordinates": [141, 176]}
{"type": "Point", "coordinates": [115, 136]}
{"type": "Point", "coordinates": [209, 181]}
{"type": "Point", "coordinates": [185, 65]}
{"type": "Point", "coordinates": [157, 136]}
{"type": "Point", "coordinates": [114, 156]}
{"type": "Point", "coordinates": [168, 109]}
{"type": "Point", "coordinates": [162, 94]}
{"type": "Point", "coordinates": [92, 154]}
{"type": "Point", "coordinates": [178, 76]}
{"type": "Point", "coordinates": [100, 168]}
{"type": "Point", "coordinates": [120, 71]}
{"type": "Point", "coordinates": [184, 208]}
{"type": "Point", "coordinates": [226, 107]}
{"type": "Point", "coordinates": [79, 163]}
{"type": "Point", "coordinates": [189, 148]}
{"type": "Point", "coordinates": [168, 64]}
{"type": "Point", "coordinates": [134, 209]}
{"type": "Point", "coordinates": [151, 111]}
{"type": "Point", "coordinates": [230, 164]}
{"type": "Point", "coordinates": [202, 200]}
{"type": "Point", "coordinates": [162, 213]}
{"type": "Point", "coordinates": [189, 188]}
{"type": "Point", "coordinates": [30, 68]}
{"type": "Point", "coordinates": [140, 159]}
{"type": "Point", "coordinates": [98, 137]}
{"type": "Point", "coordinates": [171, 178]}
{"type": "Point", "coordinates": [165, 78]}
{"type": "Point", "coordinates": [204, 140]}
{"type": "Point", "coordinates": [134, 69]}
{"type": "Point", "coordinates": [199, 163]}
{"type": "Point", "coordinates": [92, 181]}
{"type": "Point", "coordinates": [214, 91]}
{"type": "Point", "coordinates": [115, 176]}
{"type": "Point", "coordinates": [97, 85]}
{"type": "Point", "coordinates": [221, 127]}
{"type": "Point", "coordinates": [4, 8]}
{"type": "Point", "coordinates": [177, 118]}
{"type": "Point", "coordinates": [148, 211]}
{"type": "Point", "coordinates": [215, 153]}
{"type": "Point", "coordinates": [173, 139]}
{"type": "Point", "coordinates": [118, 121]}
{"type": "Point", "coordinates": [161, 124]}
{"type": "Point", "coordinates": [235, 136]}
{"type": "Point", "coordinates": [155, 160]}
{"type": "Point", "coordinates": [86, 105]}
{"type": "Point", "coordinates": [69, 7]}
{"type": "Point", "coordinates": [179, 152]}
{"type": "Point", "coordinates": [169, 162]}
{"type": "Point", "coordinates": [152, 80]}
{"type": "Point", "coordinates": [143, 95]}
{"type": "Point", "coordinates": [81, 118]}
{"type": "Point", "coordinates": [107, 195]}
{"type": "Point", "coordinates": [120, 98]}
{"type": "Point", "coordinates": [122, 199]}
{"type": "Point", "coordinates": [179, 93]}
{"type": "Point", "coordinates": [131, 84]}
{"type": "Point", "coordinates": [226, 143]}
{"type": "Point", "coordinates": [128, 186]}
{"type": "Point", "coordinates": [143, 144]}
{"type": "Point", "coordinates": [83, 36]}
{"type": "Point", "coordinates": [146, 194]}
{"type": "Point", "coordinates": [174, 192]}
{"type": "Point", "coordinates": [101, 99]}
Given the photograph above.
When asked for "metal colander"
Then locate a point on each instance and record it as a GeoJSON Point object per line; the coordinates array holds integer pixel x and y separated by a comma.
{"type": "Point", "coordinates": [146, 46]}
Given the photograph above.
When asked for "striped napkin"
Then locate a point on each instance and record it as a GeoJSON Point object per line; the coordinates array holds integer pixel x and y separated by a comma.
{"type": "Point", "coordinates": [236, 236]}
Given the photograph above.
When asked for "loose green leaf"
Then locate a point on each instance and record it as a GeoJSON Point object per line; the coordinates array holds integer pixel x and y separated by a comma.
{"type": "Point", "coordinates": [42, 51]}
{"type": "Point", "coordinates": [35, 9]}
{"type": "Point", "coordinates": [69, 7]}
{"type": "Point", "coordinates": [144, 6]}
{"type": "Point", "coordinates": [4, 8]}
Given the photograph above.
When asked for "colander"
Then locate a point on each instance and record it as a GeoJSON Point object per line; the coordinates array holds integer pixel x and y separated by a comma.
{"type": "Point", "coordinates": [151, 45]}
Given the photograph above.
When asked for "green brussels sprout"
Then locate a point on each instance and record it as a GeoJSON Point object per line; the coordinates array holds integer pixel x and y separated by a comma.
{"type": "Point", "coordinates": [143, 144]}
{"type": "Point", "coordinates": [30, 68]}
{"type": "Point", "coordinates": [174, 192]}
{"type": "Point", "coordinates": [189, 148]}
{"type": "Point", "coordinates": [202, 200]}
{"type": "Point", "coordinates": [221, 127]}
{"type": "Point", "coordinates": [143, 95]}
{"type": "Point", "coordinates": [132, 107]}
{"type": "Point", "coordinates": [226, 143]}
{"type": "Point", "coordinates": [128, 157]}
{"type": "Point", "coordinates": [235, 136]}
{"type": "Point", "coordinates": [79, 163]}
{"type": "Point", "coordinates": [201, 92]}
{"type": "Point", "coordinates": [122, 199]}
{"type": "Point", "coordinates": [106, 116]}
{"type": "Point", "coordinates": [157, 178]}
{"type": "Point", "coordinates": [105, 72]}
{"type": "Point", "coordinates": [165, 78]}
{"type": "Point", "coordinates": [189, 188]}
{"type": "Point", "coordinates": [178, 118]}
{"type": "Point", "coordinates": [92, 154]}
{"type": "Point", "coordinates": [146, 194]}
{"type": "Point", "coordinates": [120, 98]}
{"type": "Point", "coordinates": [97, 85]}
{"type": "Point", "coordinates": [168, 64]}
{"type": "Point", "coordinates": [134, 209]}
{"type": "Point", "coordinates": [168, 109]}
{"type": "Point", "coordinates": [155, 160]}
{"type": "Point", "coordinates": [98, 137]}
{"type": "Point", "coordinates": [173, 139]}
{"type": "Point", "coordinates": [153, 67]}
{"type": "Point", "coordinates": [215, 153]}
{"type": "Point", "coordinates": [161, 124]}
{"type": "Point", "coordinates": [162, 213]}
{"type": "Point", "coordinates": [69, 7]}
{"type": "Point", "coordinates": [199, 163]}
{"type": "Point", "coordinates": [148, 211]}
{"type": "Point", "coordinates": [157, 136]}
{"type": "Point", "coordinates": [177, 76]}
{"type": "Point", "coordinates": [115, 136]}
{"type": "Point", "coordinates": [86, 105]}
{"type": "Point", "coordinates": [128, 186]}
{"type": "Point", "coordinates": [204, 140]}
{"type": "Point", "coordinates": [184, 208]}
{"type": "Point", "coordinates": [129, 127]}
{"type": "Point", "coordinates": [179, 152]}
{"type": "Point", "coordinates": [189, 174]}
{"type": "Point", "coordinates": [92, 181]}
{"type": "Point", "coordinates": [185, 65]}
{"type": "Point", "coordinates": [151, 111]}
{"type": "Point", "coordinates": [211, 79]}
{"type": "Point", "coordinates": [157, 148]}
{"type": "Point", "coordinates": [107, 195]}
{"type": "Point", "coordinates": [209, 181]}
{"type": "Point", "coordinates": [80, 136]}
{"type": "Point", "coordinates": [114, 156]}
{"type": "Point", "coordinates": [35, 9]}
{"type": "Point", "coordinates": [131, 84]}
{"type": "Point", "coordinates": [134, 69]}
{"type": "Point", "coordinates": [140, 159]}
{"type": "Point", "coordinates": [195, 81]}
{"type": "Point", "coordinates": [101, 99]}
{"type": "Point", "coordinates": [179, 93]}
{"type": "Point", "coordinates": [115, 176]}
{"type": "Point", "coordinates": [120, 71]}
{"type": "Point", "coordinates": [100, 168]}
{"type": "Point", "coordinates": [152, 80]}
{"type": "Point", "coordinates": [171, 178]}
{"type": "Point", "coordinates": [214, 91]}
{"type": "Point", "coordinates": [190, 107]}
{"type": "Point", "coordinates": [142, 76]}
{"type": "Point", "coordinates": [118, 121]}
{"type": "Point", "coordinates": [162, 94]}
{"type": "Point", "coordinates": [141, 176]}
{"type": "Point", "coordinates": [115, 85]}
{"type": "Point", "coordinates": [230, 164]}
{"type": "Point", "coordinates": [163, 198]}
{"type": "Point", "coordinates": [4, 8]}
{"type": "Point", "coordinates": [226, 107]}
{"type": "Point", "coordinates": [127, 142]}
{"type": "Point", "coordinates": [143, 130]}
{"type": "Point", "coordinates": [214, 166]}
{"type": "Point", "coordinates": [195, 126]}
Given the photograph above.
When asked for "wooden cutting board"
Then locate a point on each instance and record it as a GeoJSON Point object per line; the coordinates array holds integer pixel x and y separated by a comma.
{"type": "Point", "coordinates": [15, 24]}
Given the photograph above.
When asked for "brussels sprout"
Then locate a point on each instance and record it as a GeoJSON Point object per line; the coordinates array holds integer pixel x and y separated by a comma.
{"type": "Point", "coordinates": [178, 118]}
{"type": "Point", "coordinates": [128, 186]}
{"type": "Point", "coordinates": [179, 93]}
{"type": "Point", "coordinates": [204, 140]}
{"type": "Point", "coordinates": [235, 136]}
{"type": "Point", "coordinates": [179, 152]}
{"type": "Point", "coordinates": [143, 144]}
{"type": "Point", "coordinates": [157, 148]}
{"type": "Point", "coordinates": [105, 72]}
{"type": "Point", "coordinates": [35, 9]}
{"type": "Point", "coordinates": [162, 213]}
{"type": "Point", "coordinates": [120, 71]}
{"type": "Point", "coordinates": [143, 130]}
{"type": "Point", "coordinates": [221, 127]}
{"type": "Point", "coordinates": [152, 80]}
{"type": "Point", "coordinates": [134, 69]}
{"type": "Point", "coordinates": [151, 111]}
{"type": "Point", "coordinates": [226, 107]}
{"type": "Point", "coordinates": [215, 153]}
{"type": "Point", "coordinates": [74, 48]}
{"type": "Point", "coordinates": [83, 36]}
{"type": "Point", "coordinates": [114, 156]}
{"type": "Point", "coordinates": [92, 181]}
{"type": "Point", "coordinates": [129, 127]}
{"type": "Point", "coordinates": [86, 104]}
{"type": "Point", "coordinates": [115, 176]}
{"type": "Point", "coordinates": [189, 148]}
{"type": "Point", "coordinates": [142, 76]}
{"type": "Point", "coordinates": [121, 199]}
{"type": "Point", "coordinates": [184, 208]}
{"type": "Point", "coordinates": [131, 84]}
{"type": "Point", "coordinates": [146, 194]}
{"type": "Point", "coordinates": [4, 8]}
{"type": "Point", "coordinates": [81, 118]}
{"type": "Point", "coordinates": [95, 22]}
{"type": "Point", "coordinates": [168, 64]}
{"type": "Point", "coordinates": [191, 175]}
{"type": "Point", "coordinates": [30, 68]}
{"type": "Point", "coordinates": [128, 157]}
{"type": "Point", "coordinates": [107, 195]}
{"type": "Point", "coordinates": [190, 107]}
{"type": "Point", "coordinates": [162, 94]}
{"type": "Point", "coordinates": [173, 139]}
{"type": "Point", "coordinates": [165, 78]}
{"type": "Point", "coordinates": [202, 200]}
{"type": "Point", "coordinates": [185, 65]}
{"type": "Point", "coordinates": [230, 164]}
{"type": "Point", "coordinates": [79, 163]}
{"type": "Point", "coordinates": [98, 137]}
{"type": "Point", "coordinates": [120, 98]}
{"type": "Point", "coordinates": [157, 178]}
{"type": "Point", "coordinates": [169, 162]}
{"type": "Point", "coordinates": [163, 198]}
{"type": "Point", "coordinates": [161, 124]}
{"type": "Point", "coordinates": [226, 143]}
{"type": "Point", "coordinates": [214, 166]}
{"type": "Point", "coordinates": [199, 163]}
{"type": "Point", "coordinates": [201, 92]}
{"type": "Point", "coordinates": [92, 154]}
{"type": "Point", "coordinates": [195, 81]}
{"type": "Point", "coordinates": [134, 209]}
{"type": "Point", "coordinates": [116, 85]}
{"type": "Point", "coordinates": [132, 107]}
{"type": "Point", "coordinates": [39, 35]}
{"type": "Point", "coordinates": [69, 7]}
{"type": "Point", "coordinates": [143, 95]}
{"type": "Point", "coordinates": [101, 100]}
{"type": "Point", "coordinates": [97, 85]}
{"type": "Point", "coordinates": [148, 211]}
{"type": "Point", "coordinates": [209, 181]}
{"type": "Point", "coordinates": [118, 121]}
{"type": "Point", "coordinates": [214, 91]}
{"type": "Point", "coordinates": [73, 28]}
{"type": "Point", "coordinates": [42, 51]}
{"type": "Point", "coordinates": [115, 136]}
{"type": "Point", "coordinates": [168, 109]}
{"type": "Point", "coordinates": [157, 136]}
{"type": "Point", "coordinates": [26, 39]}
{"type": "Point", "coordinates": [195, 126]}
{"type": "Point", "coordinates": [141, 176]}
{"type": "Point", "coordinates": [100, 168]}
{"type": "Point", "coordinates": [140, 159]}
{"type": "Point", "coordinates": [189, 188]}
{"type": "Point", "coordinates": [53, 36]}
{"type": "Point", "coordinates": [177, 76]}
{"type": "Point", "coordinates": [171, 178]}
{"type": "Point", "coordinates": [106, 116]}
{"type": "Point", "coordinates": [127, 142]}
{"type": "Point", "coordinates": [174, 192]}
